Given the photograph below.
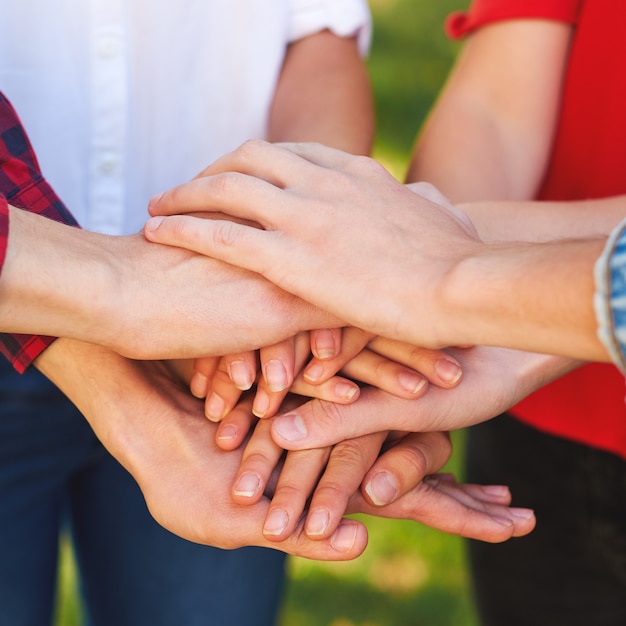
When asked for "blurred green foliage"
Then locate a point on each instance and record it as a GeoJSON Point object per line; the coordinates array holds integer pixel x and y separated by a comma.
{"type": "Point", "coordinates": [409, 60]}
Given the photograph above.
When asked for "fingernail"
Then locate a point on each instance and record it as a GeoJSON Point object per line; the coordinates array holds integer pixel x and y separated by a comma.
{"type": "Point", "coordinates": [342, 540]}
{"type": "Point", "coordinates": [448, 371]}
{"type": "Point", "coordinates": [524, 514]}
{"type": "Point", "coordinates": [154, 222]}
{"type": "Point", "coordinates": [276, 375]}
{"type": "Point", "coordinates": [261, 403]}
{"type": "Point", "coordinates": [382, 489]}
{"type": "Point", "coordinates": [215, 407]}
{"type": "Point", "coordinates": [324, 344]}
{"type": "Point", "coordinates": [318, 522]}
{"type": "Point", "coordinates": [502, 520]}
{"type": "Point", "coordinates": [290, 427]}
{"type": "Point", "coordinates": [276, 522]}
{"type": "Point", "coordinates": [247, 485]}
{"type": "Point", "coordinates": [227, 433]}
{"type": "Point", "coordinates": [313, 372]}
{"type": "Point", "coordinates": [198, 385]}
{"type": "Point", "coordinates": [240, 374]}
{"type": "Point", "coordinates": [411, 382]}
{"type": "Point", "coordinates": [346, 391]}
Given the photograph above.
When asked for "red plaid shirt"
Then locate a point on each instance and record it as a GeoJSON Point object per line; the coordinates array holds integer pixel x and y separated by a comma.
{"type": "Point", "coordinates": [22, 186]}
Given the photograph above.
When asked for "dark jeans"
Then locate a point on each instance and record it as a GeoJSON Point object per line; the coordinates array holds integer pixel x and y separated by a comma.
{"type": "Point", "coordinates": [133, 572]}
{"type": "Point", "coordinates": [571, 569]}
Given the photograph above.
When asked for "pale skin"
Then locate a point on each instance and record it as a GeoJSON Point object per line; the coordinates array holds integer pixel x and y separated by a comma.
{"type": "Point", "coordinates": [326, 215]}
{"type": "Point", "coordinates": [151, 424]}
{"type": "Point", "coordinates": [136, 408]}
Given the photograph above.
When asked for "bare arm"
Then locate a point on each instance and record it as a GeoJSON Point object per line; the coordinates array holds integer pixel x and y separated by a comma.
{"type": "Point", "coordinates": [324, 95]}
{"type": "Point", "coordinates": [490, 132]}
{"type": "Point", "coordinates": [129, 295]}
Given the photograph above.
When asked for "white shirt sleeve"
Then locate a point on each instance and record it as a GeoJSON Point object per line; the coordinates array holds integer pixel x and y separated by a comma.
{"type": "Point", "coordinates": [345, 18]}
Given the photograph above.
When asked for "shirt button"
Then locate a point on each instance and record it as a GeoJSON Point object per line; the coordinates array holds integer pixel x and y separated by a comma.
{"type": "Point", "coordinates": [108, 47]}
{"type": "Point", "coordinates": [108, 164]}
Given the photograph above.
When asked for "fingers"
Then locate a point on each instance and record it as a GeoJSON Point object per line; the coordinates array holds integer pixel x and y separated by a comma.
{"type": "Point", "coordinates": [457, 509]}
{"type": "Point", "coordinates": [241, 369]}
{"type": "Point", "coordinates": [404, 465]}
{"type": "Point", "coordinates": [297, 480]}
{"type": "Point", "coordinates": [353, 340]}
{"type": "Point", "coordinates": [224, 240]}
{"type": "Point", "coordinates": [347, 464]}
{"type": "Point", "coordinates": [337, 389]}
{"type": "Point", "coordinates": [439, 367]}
{"type": "Point", "coordinates": [260, 458]}
{"type": "Point", "coordinates": [373, 369]}
{"type": "Point", "coordinates": [255, 171]}
{"type": "Point", "coordinates": [271, 162]}
{"type": "Point", "coordinates": [235, 427]}
{"type": "Point", "coordinates": [278, 367]}
{"type": "Point", "coordinates": [318, 423]}
{"type": "Point", "coordinates": [203, 371]}
{"type": "Point", "coordinates": [326, 343]}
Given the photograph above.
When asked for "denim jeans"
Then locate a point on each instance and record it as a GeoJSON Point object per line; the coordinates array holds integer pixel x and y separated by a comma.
{"type": "Point", "coordinates": [54, 471]}
{"type": "Point", "coordinates": [571, 569]}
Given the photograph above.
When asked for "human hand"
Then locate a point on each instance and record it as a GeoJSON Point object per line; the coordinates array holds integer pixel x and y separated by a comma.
{"type": "Point", "coordinates": [157, 430]}
{"type": "Point", "coordinates": [321, 485]}
{"type": "Point", "coordinates": [494, 379]}
{"type": "Point", "coordinates": [327, 215]}
{"type": "Point", "coordinates": [272, 369]}
{"type": "Point", "coordinates": [132, 296]}
{"type": "Point", "coordinates": [396, 367]}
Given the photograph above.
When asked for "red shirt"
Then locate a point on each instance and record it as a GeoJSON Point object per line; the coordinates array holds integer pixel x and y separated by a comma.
{"type": "Point", "coordinates": [22, 185]}
{"type": "Point", "coordinates": [588, 161]}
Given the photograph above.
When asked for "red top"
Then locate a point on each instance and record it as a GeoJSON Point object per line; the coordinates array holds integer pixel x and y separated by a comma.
{"type": "Point", "coordinates": [589, 161]}
{"type": "Point", "coordinates": [22, 184]}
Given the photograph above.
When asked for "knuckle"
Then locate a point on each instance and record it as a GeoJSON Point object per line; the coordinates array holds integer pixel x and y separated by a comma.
{"type": "Point", "coordinates": [225, 234]}
{"type": "Point", "coordinates": [410, 463]}
{"type": "Point", "coordinates": [348, 453]}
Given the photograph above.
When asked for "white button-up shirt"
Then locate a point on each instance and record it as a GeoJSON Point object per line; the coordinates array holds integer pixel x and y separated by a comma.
{"type": "Point", "coordinates": [125, 98]}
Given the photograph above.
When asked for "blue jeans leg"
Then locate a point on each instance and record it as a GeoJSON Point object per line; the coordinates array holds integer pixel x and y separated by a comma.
{"type": "Point", "coordinates": [133, 572]}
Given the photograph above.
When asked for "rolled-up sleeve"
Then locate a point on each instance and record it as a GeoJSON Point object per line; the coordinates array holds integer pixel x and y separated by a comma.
{"type": "Point", "coordinates": [22, 184]}
{"type": "Point", "coordinates": [4, 229]}
{"type": "Point", "coordinates": [610, 296]}
{"type": "Point", "coordinates": [345, 18]}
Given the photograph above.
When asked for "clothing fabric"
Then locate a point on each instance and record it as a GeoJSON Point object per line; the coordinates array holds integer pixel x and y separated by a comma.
{"type": "Point", "coordinates": [588, 161]}
{"type": "Point", "coordinates": [123, 99]}
{"type": "Point", "coordinates": [610, 298]}
{"type": "Point", "coordinates": [4, 229]}
{"type": "Point", "coordinates": [572, 568]}
{"type": "Point", "coordinates": [55, 476]}
{"type": "Point", "coordinates": [562, 450]}
{"type": "Point", "coordinates": [22, 184]}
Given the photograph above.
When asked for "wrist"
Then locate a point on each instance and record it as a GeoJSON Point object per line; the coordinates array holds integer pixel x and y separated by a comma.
{"type": "Point", "coordinates": [53, 279]}
{"type": "Point", "coordinates": [529, 296]}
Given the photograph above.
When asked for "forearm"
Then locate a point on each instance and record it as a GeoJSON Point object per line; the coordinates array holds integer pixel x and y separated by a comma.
{"type": "Point", "coordinates": [324, 95]}
{"type": "Point", "coordinates": [52, 281]}
{"type": "Point", "coordinates": [536, 297]}
{"type": "Point", "coordinates": [545, 221]}
{"type": "Point", "coordinates": [489, 135]}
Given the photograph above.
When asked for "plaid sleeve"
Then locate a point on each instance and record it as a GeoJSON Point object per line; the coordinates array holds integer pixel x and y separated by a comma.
{"type": "Point", "coordinates": [23, 186]}
{"type": "Point", "coordinates": [482, 12]}
{"type": "Point", "coordinates": [4, 228]}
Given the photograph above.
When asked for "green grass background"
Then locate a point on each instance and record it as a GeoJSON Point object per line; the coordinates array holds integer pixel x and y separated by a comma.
{"type": "Point", "coordinates": [409, 574]}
